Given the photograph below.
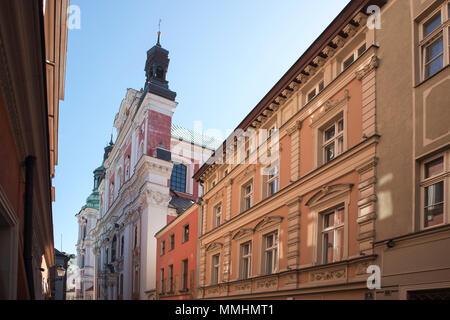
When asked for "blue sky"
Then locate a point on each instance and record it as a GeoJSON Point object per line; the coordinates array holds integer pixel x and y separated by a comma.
{"type": "Point", "coordinates": [225, 56]}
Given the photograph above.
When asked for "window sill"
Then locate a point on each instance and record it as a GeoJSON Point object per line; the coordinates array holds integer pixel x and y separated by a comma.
{"type": "Point", "coordinates": [434, 75]}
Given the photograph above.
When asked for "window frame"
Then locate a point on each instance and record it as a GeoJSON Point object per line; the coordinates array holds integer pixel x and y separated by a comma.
{"type": "Point", "coordinates": [177, 176]}
{"type": "Point", "coordinates": [170, 283]}
{"type": "Point", "coordinates": [163, 248]}
{"type": "Point", "coordinates": [425, 182]}
{"type": "Point", "coordinates": [185, 236]}
{"type": "Point", "coordinates": [245, 196]}
{"type": "Point", "coordinates": [248, 257]}
{"type": "Point", "coordinates": [161, 281]}
{"type": "Point", "coordinates": [334, 229]}
{"type": "Point", "coordinates": [333, 140]}
{"type": "Point", "coordinates": [355, 53]}
{"type": "Point", "coordinates": [215, 268]}
{"type": "Point", "coordinates": [184, 275]}
{"type": "Point", "coordinates": [440, 32]}
{"type": "Point", "coordinates": [265, 250]}
{"type": "Point", "coordinates": [172, 242]}
{"type": "Point", "coordinates": [217, 215]}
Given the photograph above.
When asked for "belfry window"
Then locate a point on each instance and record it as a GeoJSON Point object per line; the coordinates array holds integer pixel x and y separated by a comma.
{"type": "Point", "coordinates": [178, 178]}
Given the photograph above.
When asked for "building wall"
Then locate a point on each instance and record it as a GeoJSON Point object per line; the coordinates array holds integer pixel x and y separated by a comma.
{"type": "Point", "coordinates": [416, 258]}
{"type": "Point", "coordinates": [182, 250]}
{"type": "Point", "coordinates": [308, 185]}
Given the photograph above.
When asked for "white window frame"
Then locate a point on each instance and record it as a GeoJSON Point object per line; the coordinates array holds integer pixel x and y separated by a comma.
{"type": "Point", "coordinates": [248, 257]}
{"type": "Point", "coordinates": [317, 90]}
{"type": "Point", "coordinates": [355, 54]}
{"type": "Point", "coordinates": [186, 238]}
{"type": "Point", "coordinates": [426, 182]}
{"type": "Point", "coordinates": [217, 210]}
{"type": "Point", "coordinates": [246, 196]}
{"type": "Point", "coordinates": [443, 31]}
{"type": "Point", "coordinates": [335, 228]}
{"type": "Point", "coordinates": [215, 268]}
{"type": "Point", "coordinates": [275, 249]}
{"type": "Point", "coordinates": [335, 139]}
{"type": "Point", "coordinates": [274, 179]}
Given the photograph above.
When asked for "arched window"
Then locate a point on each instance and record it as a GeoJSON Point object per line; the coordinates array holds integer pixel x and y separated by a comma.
{"type": "Point", "coordinates": [111, 192]}
{"type": "Point", "coordinates": [141, 150]}
{"type": "Point", "coordinates": [178, 178]}
{"type": "Point", "coordinates": [113, 248]}
{"type": "Point", "coordinates": [82, 261]}
{"type": "Point", "coordinates": [122, 244]}
{"type": "Point", "coordinates": [127, 168]}
{"type": "Point", "coordinates": [84, 231]}
{"type": "Point", "coordinates": [135, 237]}
{"type": "Point", "coordinates": [119, 178]}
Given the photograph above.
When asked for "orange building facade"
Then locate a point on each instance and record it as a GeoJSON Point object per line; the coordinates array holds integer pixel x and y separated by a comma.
{"type": "Point", "coordinates": [33, 45]}
{"type": "Point", "coordinates": [176, 261]}
{"type": "Point", "coordinates": [292, 216]}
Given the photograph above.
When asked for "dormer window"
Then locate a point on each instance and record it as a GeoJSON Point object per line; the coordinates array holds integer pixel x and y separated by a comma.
{"type": "Point", "coordinates": [317, 89]}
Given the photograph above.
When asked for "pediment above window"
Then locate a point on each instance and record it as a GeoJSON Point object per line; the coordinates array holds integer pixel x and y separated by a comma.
{"type": "Point", "coordinates": [327, 193]}
{"type": "Point", "coordinates": [214, 246]}
{"type": "Point", "coordinates": [268, 222]}
{"type": "Point", "coordinates": [243, 233]}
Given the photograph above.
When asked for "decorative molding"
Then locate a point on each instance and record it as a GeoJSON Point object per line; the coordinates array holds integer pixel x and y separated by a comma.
{"type": "Point", "coordinates": [372, 65]}
{"type": "Point", "coordinates": [268, 221]}
{"type": "Point", "coordinates": [339, 41]}
{"type": "Point", "coordinates": [329, 51]}
{"type": "Point", "coordinates": [330, 105]}
{"type": "Point", "coordinates": [327, 192]}
{"type": "Point", "coordinates": [267, 283]}
{"type": "Point", "coordinates": [214, 246]}
{"type": "Point", "coordinates": [242, 233]}
{"type": "Point", "coordinates": [295, 127]}
{"type": "Point", "coordinates": [327, 275]}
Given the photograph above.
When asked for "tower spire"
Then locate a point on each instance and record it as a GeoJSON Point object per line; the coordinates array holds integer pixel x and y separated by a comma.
{"type": "Point", "coordinates": [159, 34]}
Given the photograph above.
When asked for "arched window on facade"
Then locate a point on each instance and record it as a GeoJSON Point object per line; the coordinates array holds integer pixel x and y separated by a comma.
{"type": "Point", "coordinates": [82, 261]}
{"type": "Point", "coordinates": [141, 150]}
{"type": "Point", "coordinates": [122, 245]}
{"type": "Point", "coordinates": [84, 233]}
{"type": "Point", "coordinates": [119, 178]}
{"type": "Point", "coordinates": [111, 192]}
{"type": "Point", "coordinates": [135, 236]}
{"type": "Point", "coordinates": [113, 248]}
{"type": "Point", "coordinates": [178, 178]}
{"type": "Point", "coordinates": [127, 168]}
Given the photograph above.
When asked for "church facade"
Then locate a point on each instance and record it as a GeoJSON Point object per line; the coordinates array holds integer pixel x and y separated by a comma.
{"type": "Point", "coordinates": [146, 180]}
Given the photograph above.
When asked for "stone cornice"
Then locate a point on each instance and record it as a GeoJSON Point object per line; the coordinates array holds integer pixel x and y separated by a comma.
{"type": "Point", "coordinates": [364, 72]}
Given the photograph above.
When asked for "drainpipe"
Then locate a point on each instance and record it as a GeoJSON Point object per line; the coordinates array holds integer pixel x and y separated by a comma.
{"type": "Point", "coordinates": [28, 223]}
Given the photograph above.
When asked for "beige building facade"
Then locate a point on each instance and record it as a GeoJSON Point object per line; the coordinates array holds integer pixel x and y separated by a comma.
{"type": "Point", "coordinates": [343, 165]}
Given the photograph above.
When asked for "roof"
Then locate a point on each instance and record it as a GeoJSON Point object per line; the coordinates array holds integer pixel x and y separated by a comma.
{"type": "Point", "coordinates": [326, 38]}
{"type": "Point", "coordinates": [197, 138]}
{"type": "Point", "coordinates": [180, 203]}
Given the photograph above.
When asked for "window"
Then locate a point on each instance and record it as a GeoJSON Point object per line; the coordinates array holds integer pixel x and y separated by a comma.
{"type": "Point", "coordinates": [184, 275]}
{"type": "Point", "coordinates": [317, 89]}
{"type": "Point", "coordinates": [170, 284]}
{"type": "Point", "coordinates": [217, 215]}
{"type": "Point", "coordinates": [186, 233]}
{"type": "Point", "coordinates": [247, 196]}
{"type": "Point", "coordinates": [107, 255]}
{"type": "Point", "coordinates": [135, 236]}
{"type": "Point", "coordinates": [141, 148]}
{"type": "Point", "coordinates": [245, 260]}
{"type": "Point", "coordinates": [122, 245]}
{"type": "Point", "coordinates": [332, 235]}
{"type": "Point", "coordinates": [161, 281]}
{"type": "Point", "coordinates": [270, 256]}
{"type": "Point", "coordinates": [172, 242]}
{"type": "Point", "coordinates": [121, 286]}
{"type": "Point", "coordinates": [273, 180]}
{"type": "Point", "coordinates": [434, 184]}
{"type": "Point", "coordinates": [127, 167]}
{"type": "Point", "coordinates": [82, 261]}
{"type": "Point", "coordinates": [353, 56]}
{"type": "Point", "coordinates": [111, 192]}
{"type": "Point", "coordinates": [113, 248]}
{"type": "Point", "coordinates": [163, 247]}
{"type": "Point", "coordinates": [333, 140]}
{"type": "Point", "coordinates": [215, 260]}
{"type": "Point", "coordinates": [84, 231]}
{"type": "Point", "coordinates": [434, 41]}
{"type": "Point", "coordinates": [312, 94]}
{"type": "Point", "coordinates": [178, 178]}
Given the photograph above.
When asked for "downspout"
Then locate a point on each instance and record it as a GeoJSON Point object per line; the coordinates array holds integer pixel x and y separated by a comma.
{"type": "Point", "coordinates": [28, 223]}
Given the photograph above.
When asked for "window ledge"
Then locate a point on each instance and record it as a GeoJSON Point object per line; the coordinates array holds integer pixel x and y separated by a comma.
{"type": "Point", "coordinates": [434, 75]}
